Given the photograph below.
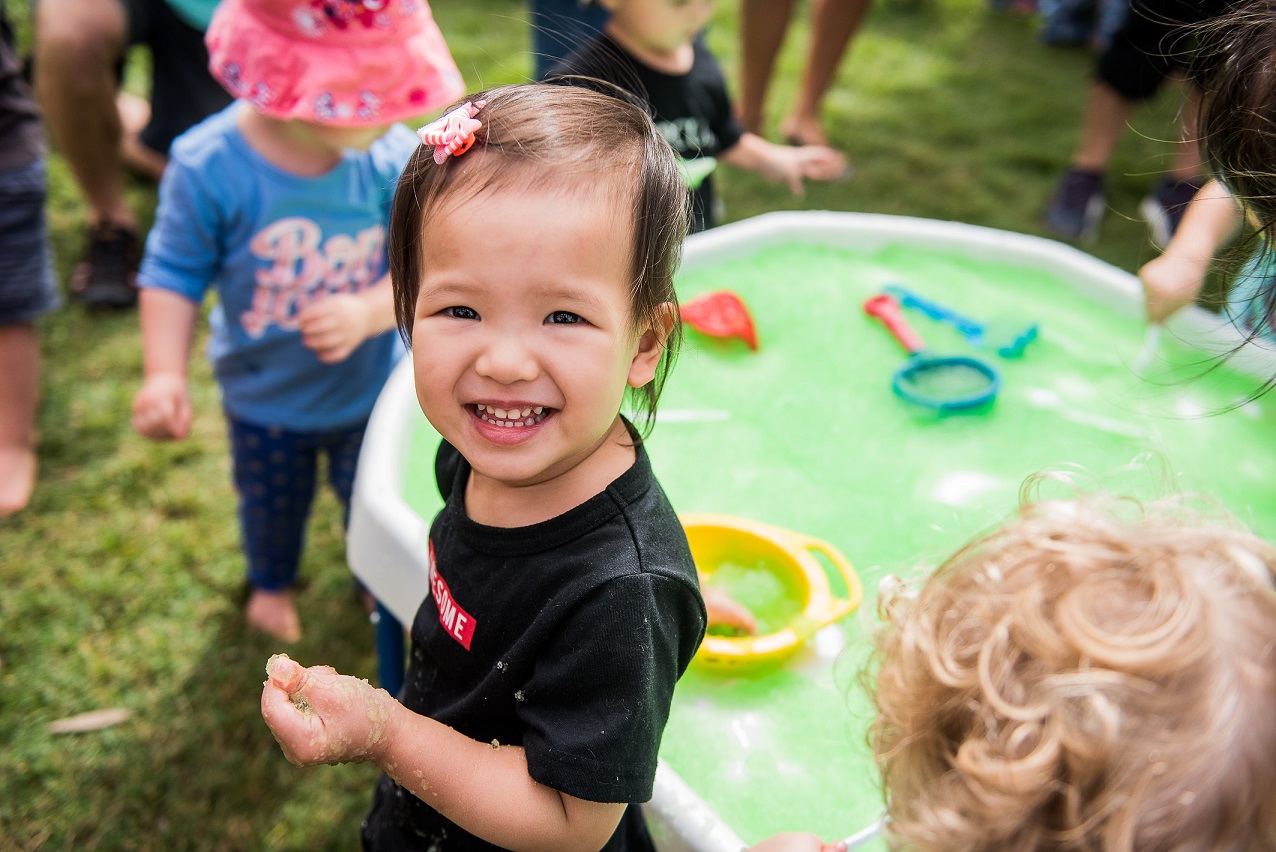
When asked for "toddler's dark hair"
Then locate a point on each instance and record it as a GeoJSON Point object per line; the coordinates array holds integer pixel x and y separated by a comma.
{"type": "Point", "coordinates": [1236, 129]}
{"type": "Point", "coordinates": [581, 141]}
{"type": "Point", "coordinates": [1236, 126]}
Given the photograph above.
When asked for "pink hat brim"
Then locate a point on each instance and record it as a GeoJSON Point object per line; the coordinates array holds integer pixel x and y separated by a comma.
{"type": "Point", "coordinates": [287, 75]}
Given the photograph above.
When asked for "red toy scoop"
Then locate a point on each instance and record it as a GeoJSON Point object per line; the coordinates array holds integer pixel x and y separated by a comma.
{"type": "Point", "coordinates": [721, 313]}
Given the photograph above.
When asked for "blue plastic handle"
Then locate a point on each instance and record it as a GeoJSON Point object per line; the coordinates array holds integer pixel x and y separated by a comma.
{"type": "Point", "coordinates": [970, 329]}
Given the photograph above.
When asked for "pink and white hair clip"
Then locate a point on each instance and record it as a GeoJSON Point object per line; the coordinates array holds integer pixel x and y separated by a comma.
{"type": "Point", "coordinates": [453, 133]}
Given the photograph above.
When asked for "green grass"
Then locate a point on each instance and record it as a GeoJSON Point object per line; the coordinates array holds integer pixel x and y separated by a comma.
{"type": "Point", "coordinates": [121, 581]}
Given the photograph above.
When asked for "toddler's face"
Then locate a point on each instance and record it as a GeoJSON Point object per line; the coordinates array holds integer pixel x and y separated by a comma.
{"type": "Point", "coordinates": [660, 26]}
{"type": "Point", "coordinates": [523, 342]}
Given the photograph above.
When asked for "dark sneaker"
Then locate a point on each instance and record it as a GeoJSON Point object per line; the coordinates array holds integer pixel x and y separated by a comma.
{"type": "Point", "coordinates": [1077, 206]}
{"type": "Point", "coordinates": [1163, 209]}
{"type": "Point", "coordinates": [106, 276]}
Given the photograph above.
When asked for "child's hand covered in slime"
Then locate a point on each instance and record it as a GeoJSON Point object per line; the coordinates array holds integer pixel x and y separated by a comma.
{"type": "Point", "coordinates": [319, 716]}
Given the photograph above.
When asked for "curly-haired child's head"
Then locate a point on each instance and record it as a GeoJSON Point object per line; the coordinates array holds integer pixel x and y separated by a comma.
{"type": "Point", "coordinates": [576, 143]}
{"type": "Point", "coordinates": [1090, 676]}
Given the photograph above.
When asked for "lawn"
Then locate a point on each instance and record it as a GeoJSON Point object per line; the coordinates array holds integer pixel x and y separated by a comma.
{"type": "Point", "coordinates": [122, 581]}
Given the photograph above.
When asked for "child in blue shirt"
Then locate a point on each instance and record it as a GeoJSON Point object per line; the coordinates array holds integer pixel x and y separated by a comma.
{"type": "Point", "coordinates": [280, 204]}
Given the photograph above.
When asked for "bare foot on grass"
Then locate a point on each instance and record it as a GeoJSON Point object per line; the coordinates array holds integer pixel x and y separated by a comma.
{"type": "Point", "coordinates": [17, 479]}
{"type": "Point", "coordinates": [274, 614]}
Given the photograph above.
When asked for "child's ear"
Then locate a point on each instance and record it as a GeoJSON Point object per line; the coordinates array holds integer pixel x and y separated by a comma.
{"type": "Point", "coordinates": [651, 345]}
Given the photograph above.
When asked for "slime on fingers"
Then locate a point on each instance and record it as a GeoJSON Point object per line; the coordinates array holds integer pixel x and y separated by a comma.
{"type": "Point", "coordinates": [298, 700]}
{"type": "Point", "coordinates": [332, 741]}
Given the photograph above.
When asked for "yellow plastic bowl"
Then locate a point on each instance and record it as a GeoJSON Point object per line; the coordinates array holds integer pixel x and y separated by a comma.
{"type": "Point", "coordinates": [718, 540]}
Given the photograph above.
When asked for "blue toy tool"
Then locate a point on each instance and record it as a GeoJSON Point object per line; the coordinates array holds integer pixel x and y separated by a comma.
{"type": "Point", "coordinates": [945, 383]}
{"type": "Point", "coordinates": [1008, 341]}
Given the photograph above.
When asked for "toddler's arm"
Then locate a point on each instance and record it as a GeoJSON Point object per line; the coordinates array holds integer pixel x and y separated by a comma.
{"type": "Point", "coordinates": [162, 408]}
{"type": "Point", "coordinates": [319, 716]}
{"type": "Point", "coordinates": [786, 164]}
{"type": "Point", "coordinates": [725, 611]}
{"type": "Point", "coordinates": [334, 327]}
{"type": "Point", "coordinates": [1174, 279]}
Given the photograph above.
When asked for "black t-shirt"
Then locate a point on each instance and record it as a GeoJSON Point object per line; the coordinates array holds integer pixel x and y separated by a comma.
{"type": "Point", "coordinates": [692, 110]}
{"type": "Point", "coordinates": [565, 637]}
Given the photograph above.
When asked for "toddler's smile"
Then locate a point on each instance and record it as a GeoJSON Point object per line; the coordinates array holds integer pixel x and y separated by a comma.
{"type": "Point", "coordinates": [511, 416]}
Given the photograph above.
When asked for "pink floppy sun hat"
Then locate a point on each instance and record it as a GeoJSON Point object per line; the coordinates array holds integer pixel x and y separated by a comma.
{"type": "Point", "coordinates": [349, 63]}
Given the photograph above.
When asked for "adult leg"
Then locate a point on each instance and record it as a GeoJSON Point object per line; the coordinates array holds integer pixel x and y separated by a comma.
{"type": "Point", "coordinates": [19, 395]}
{"type": "Point", "coordinates": [78, 45]}
{"type": "Point", "coordinates": [1161, 30]}
{"type": "Point", "coordinates": [833, 23]}
{"type": "Point", "coordinates": [763, 24]}
{"type": "Point", "coordinates": [1128, 72]}
{"type": "Point", "coordinates": [1150, 46]}
{"type": "Point", "coordinates": [1107, 114]}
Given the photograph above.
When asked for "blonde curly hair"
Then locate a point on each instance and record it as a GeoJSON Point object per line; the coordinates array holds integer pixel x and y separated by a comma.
{"type": "Point", "coordinates": [1094, 675]}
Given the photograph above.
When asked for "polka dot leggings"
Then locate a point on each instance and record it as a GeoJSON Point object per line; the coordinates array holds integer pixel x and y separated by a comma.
{"type": "Point", "coordinates": [275, 472]}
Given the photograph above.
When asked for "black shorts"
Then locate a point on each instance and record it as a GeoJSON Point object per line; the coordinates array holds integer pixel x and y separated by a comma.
{"type": "Point", "coordinates": [183, 92]}
{"type": "Point", "coordinates": [1154, 42]}
{"type": "Point", "coordinates": [27, 289]}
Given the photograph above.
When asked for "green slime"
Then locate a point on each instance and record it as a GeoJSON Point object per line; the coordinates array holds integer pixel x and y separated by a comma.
{"type": "Point", "coordinates": [806, 434]}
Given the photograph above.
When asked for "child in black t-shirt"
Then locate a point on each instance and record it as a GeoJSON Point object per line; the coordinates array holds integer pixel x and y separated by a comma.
{"type": "Point", "coordinates": [533, 276]}
{"type": "Point", "coordinates": [652, 49]}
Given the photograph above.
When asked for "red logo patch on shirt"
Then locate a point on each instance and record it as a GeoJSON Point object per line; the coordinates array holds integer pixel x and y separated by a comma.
{"type": "Point", "coordinates": [456, 622]}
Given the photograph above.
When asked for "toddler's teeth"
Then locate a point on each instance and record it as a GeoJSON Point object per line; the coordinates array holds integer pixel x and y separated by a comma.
{"type": "Point", "coordinates": [510, 417]}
